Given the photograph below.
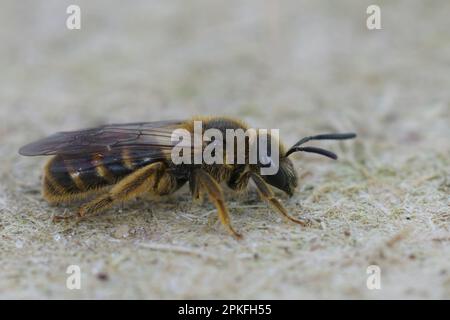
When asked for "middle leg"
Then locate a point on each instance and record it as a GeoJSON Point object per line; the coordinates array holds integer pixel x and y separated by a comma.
{"type": "Point", "coordinates": [207, 183]}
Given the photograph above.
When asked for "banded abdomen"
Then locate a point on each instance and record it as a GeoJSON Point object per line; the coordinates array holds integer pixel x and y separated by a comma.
{"type": "Point", "coordinates": [70, 178]}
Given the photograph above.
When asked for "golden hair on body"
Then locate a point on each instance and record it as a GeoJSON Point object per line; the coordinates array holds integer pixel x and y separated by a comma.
{"type": "Point", "coordinates": [110, 164]}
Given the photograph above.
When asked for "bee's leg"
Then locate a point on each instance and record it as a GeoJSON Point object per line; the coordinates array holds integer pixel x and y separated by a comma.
{"type": "Point", "coordinates": [194, 187]}
{"type": "Point", "coordinates": [239, 179]}
{"type": "Point", "coordinates": [203, 180]}
{"type": "Point", "coordinates": [61, 218]}
{"type": "Point", "coordinates": [267, 194]}
{"type": "Point", "coordinates": [129, 187]}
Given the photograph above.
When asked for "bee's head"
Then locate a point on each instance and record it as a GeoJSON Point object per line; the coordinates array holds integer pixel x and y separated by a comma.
{"type": "Point", "coordinates": [285, 178]}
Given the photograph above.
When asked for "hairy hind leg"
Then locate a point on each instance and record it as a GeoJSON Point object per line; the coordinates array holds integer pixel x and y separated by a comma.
{"type": "Point", "coordinates": [55, 193]}
{"type": "Point", "coordinates": [203, 181]}
{"type": "Point", "coordinates": [133, 185]}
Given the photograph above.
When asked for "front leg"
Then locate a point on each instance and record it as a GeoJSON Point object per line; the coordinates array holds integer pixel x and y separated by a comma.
{"type": "Point", "coordinates": [265, 193]}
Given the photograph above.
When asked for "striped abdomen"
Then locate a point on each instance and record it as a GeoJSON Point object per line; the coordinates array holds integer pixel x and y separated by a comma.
{"type": "Point", "coordinates": [67, 179]}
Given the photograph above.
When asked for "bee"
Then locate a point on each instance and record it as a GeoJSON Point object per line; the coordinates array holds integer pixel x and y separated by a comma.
{"type": "Point", "coordinates": [114, 163]}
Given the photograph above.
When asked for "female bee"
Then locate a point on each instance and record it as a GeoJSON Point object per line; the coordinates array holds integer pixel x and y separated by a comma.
{"type": "Point", "coordinates": [114, 163]}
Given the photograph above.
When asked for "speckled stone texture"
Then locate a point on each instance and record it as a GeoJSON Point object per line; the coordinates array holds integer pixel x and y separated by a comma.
{"type": "Point", "coordinates": [305, 67]}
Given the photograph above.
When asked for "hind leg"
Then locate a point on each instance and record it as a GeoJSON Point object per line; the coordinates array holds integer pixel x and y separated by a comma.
{"type": "Point", "coordinates": [55, 193]}
{"type": "Point", "coordinates": [133, 185]}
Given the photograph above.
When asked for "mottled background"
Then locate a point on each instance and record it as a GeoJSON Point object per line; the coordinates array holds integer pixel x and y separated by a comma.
{"type": "Point", "coordinates": [305, 67]}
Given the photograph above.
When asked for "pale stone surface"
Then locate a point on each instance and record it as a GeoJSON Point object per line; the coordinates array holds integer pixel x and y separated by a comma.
{"type": "Point", "coordinates": [305, 67]}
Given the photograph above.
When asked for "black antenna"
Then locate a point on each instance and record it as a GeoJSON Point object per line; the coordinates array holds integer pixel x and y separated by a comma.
{"type": "Point", "coordinates": [323, 152]}
{"type": "Point", "coordinates": [328, 136]}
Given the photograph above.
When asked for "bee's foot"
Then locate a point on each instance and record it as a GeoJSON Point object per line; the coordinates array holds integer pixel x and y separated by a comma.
{"type": "Point", "coordinates": [75, 217]}
{"type": "Point", "coordinates": [310, 222]}
{"type": "Point", "coordinates": [57, 219]}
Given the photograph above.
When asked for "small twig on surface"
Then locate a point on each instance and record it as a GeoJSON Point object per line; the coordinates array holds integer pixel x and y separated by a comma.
{"type": "Point", "coordinates": [398, 237]}
{"type": "Point", "coordinates": [182, 250]}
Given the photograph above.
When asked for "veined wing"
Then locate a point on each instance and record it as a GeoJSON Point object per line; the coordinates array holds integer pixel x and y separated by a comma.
{"type": "Point", "coordinates": [151, 137]}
